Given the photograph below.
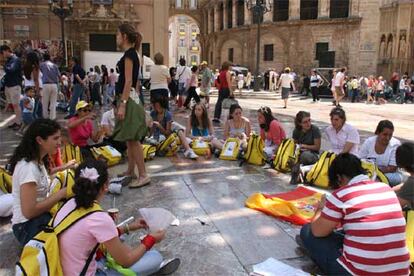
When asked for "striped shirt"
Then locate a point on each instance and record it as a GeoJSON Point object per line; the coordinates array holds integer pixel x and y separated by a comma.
{"type": "Point", "coordinates": [374, 227]}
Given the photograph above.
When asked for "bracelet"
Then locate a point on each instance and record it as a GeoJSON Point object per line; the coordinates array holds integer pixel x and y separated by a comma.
{"type": "Point", "coordinates": [148, 242]}
{"type": "Point", "coordinates": [126, 228]}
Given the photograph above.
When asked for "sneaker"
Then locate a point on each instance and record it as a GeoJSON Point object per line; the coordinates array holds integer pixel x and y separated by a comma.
{"type": "Point", "coordinates": [169, 266]}
{"type": "Point", "coordinates": [12, 125]}
{"type": "Point", "coordinates": [190, 154]}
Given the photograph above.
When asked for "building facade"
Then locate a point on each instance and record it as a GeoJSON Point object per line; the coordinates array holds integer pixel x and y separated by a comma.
{"type": "Point", "coordinates": [183, 40]}
{"type": "Point", "coordinates": [92, 26]}
{"type": "Point", "coordinates": [303, 34]}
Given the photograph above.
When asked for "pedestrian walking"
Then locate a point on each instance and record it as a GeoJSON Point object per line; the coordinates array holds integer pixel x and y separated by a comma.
{"type": "Point", "coordinates": [78, 88]}
{"type": "Point", "coordinates": [315, 82]}
{"type": "Point", "coordinates": [286, 81]}
{"type": "Point", "coordinates": [207, 78]}
{"type": "Point", "coordinates": [225, 89]}
{"type": "Point", "coordinates": [193, 84]}
{"type": "Point", "coordinates": [183, 77]}
{"type": "Point", "coordinates": [33, 78]}
{"type": "Point", "coordinates": [51, 79]}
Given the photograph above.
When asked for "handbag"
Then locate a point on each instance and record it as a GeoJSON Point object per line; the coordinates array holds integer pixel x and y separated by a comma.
{"type": "Point", "coordinates": [228, 102]}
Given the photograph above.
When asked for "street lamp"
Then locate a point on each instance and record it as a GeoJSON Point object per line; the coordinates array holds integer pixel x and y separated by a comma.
{"type": "Point", "coordinates": [62, 11]}
{"type": "Point", "coordinates": [258, 8]}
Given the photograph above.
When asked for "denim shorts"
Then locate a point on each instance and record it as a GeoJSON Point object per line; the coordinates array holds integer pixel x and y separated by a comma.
{"type": "Point", "coordinates": [25, 231]}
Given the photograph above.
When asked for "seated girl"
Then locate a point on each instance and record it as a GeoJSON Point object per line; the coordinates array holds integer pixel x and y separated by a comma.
{"type": "Point", "coordinates": [381, 149]}
{"type": "Point", "coordinates": [271, 131]}
{"type": "Point", "coordinates": [237, 126]}
{"type": "Point", "coordinates": [76, 244]}
{"type": "Point", "coordinates": [163, 126]}
{"type": "Point", "coordinates": [199, 126]}
{"type": "Point", "coordinates": [81, 129]}
{"type": "Point", "coordinates": [29, 165]}
{"type": "Point", "coordinates": [308, 137]}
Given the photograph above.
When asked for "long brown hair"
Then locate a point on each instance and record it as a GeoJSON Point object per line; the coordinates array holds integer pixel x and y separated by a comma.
{"type": "Point", "coordinates": [132, 34]}
{"type": "Point", "coordinates": [204, 117]}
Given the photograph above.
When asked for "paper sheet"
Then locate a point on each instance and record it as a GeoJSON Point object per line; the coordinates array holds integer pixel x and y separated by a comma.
{"type": "Point", "coordinates": [273, 267]}
{"type": "Point", "coordinates": [157, 218]}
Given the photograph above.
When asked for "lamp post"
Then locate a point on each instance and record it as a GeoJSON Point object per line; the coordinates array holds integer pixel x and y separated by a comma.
{"type": "Point", "coordinates": [62, 10]}
{"type": "Point", "coordinates": [258, 8]}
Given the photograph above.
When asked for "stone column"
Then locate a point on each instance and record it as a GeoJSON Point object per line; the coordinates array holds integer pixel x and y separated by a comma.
{"type": "Point", "coordinates": [247, 16]}
{"type": "Point", "coordinates": [235, 14]}
{"type": "Point", "coordinates": [294, 9]}
{"type": "Point", "coordinates": [208, 21]}
{"type": "Point", "coordinates": [216, 18]}
{"type": "Point", "coordinates": [353, 8]}
{"type": "Point", "coordinates": [225, 15]}
{"type": "Point", "coordinates": [323, 8]}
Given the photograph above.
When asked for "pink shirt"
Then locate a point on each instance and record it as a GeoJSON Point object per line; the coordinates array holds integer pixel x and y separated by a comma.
{"type": "Point", "coordinates": [81, 133]}
{"type": "Point", "coordinates": [78, 241]}
{"type": "Point", "coordinates": [193, 80]}
{"type": "Point", "coordinates": [275, 134]}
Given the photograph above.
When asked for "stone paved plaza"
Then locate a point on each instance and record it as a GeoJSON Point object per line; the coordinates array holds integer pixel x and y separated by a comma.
{"type": "Point", "coordinates": [217, 234]}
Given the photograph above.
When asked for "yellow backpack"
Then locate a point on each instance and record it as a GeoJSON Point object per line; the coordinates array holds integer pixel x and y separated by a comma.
{"type": "Point", "coordinates": [169, 146]}
{"type": "Point", "coordinates": [70, 152]}
{"type": "Point", "coordinates": [200, 147]}
{"type": "Point", "coordinates": [149, 151]}
{"type": "Point", "coordinates": [5, 181]}
{"type": "Point", "coordinates": [285, 155]}
{"type": "Point", "coordinates": [409, 232]}
{"type": "Point", "coordinates": [62, 179]}
{"type": "Point", "coordinates": [318, 175]}
{"type": "Point", "coordinates": [41, 256]}
{"type": "Point", "coordinates": [374, 172]}
{"type": "Point", "coordinates": [255, 150]}
{"type": "Point", "coordinates": [230, 149]}
{"type": "Point", "coordinates": [110, 154]}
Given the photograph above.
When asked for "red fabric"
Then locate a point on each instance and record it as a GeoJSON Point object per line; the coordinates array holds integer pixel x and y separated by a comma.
{"type": "Point", "coordinates": [223, 79]}
{"type": "Point", "coordinates": [81, 133]}
{"type": "Point", "coordinates": [148, 242]}
{"type": "Point", "coordinates": [275, 134]}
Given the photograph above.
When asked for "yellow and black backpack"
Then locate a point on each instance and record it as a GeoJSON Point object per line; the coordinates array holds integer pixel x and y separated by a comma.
{"type": "Point", "coordinates": [41, 256]}
{"type": "Point", "coordinates": [169, 146]}
{"type": "Point", "coordinates": [111, 155]}
{"type": "Point", "coordinates": [255, 150]}
{"type": "Point", "coordinates": [71, 152]}
{"type": "Point", "coordinates": [318, 175]}
{"type": "Point", "coordinates": [62, 179]}
{"type": "Point", "coordinates": [200, 147]}
{"type": "Point", "coordinates": [149, 151]}
{"type": "Point", "coordinates": [409, 232]}
{"type": "Point", "coordinates": [5, 181]}
{"type": "Point", "coordinates": [230, 149]}
{"type": "Point", "coordinates": [374, 172]}
{"type": "Point", "coordinates": [285, 155]}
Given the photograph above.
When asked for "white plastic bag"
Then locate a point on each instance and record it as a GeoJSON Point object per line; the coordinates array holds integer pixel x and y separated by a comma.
{"type": "Point", "coordinates": [157, 218]}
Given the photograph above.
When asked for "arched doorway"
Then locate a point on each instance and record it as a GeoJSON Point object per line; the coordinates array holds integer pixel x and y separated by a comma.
{"type": "Point", "coordinates": [184, 40]}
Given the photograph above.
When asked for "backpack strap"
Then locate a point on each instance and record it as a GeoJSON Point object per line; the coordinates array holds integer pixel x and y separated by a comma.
{"type": "Point", "coordinates": [89, 260]}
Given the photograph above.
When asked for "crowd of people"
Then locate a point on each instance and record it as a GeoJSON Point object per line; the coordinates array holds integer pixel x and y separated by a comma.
{"type": "Point", "coordinates": [353, 231]}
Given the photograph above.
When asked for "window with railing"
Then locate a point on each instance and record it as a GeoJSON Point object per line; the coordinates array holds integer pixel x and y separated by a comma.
{"type": "Point", "coordinates": [181, 30]}
{"type": "Point", "coordinates": [339, 9]}
{"type": "Point", "coordinates": [308, 9]}
{"type": "Point", "coordinates": [179, 4]}
{"type": "Point", "coordinates": [280, 10]}
{"type": "Point", "coordinates": [229, 14]}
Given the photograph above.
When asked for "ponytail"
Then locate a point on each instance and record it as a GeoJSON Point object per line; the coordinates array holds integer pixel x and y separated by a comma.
{"type": "Point", "coordinates": [90, 177]}
{"type": "Point", "coordinates": [138, 41]}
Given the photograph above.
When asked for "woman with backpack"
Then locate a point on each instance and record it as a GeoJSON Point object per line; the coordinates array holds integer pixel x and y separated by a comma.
{"type": "Point", "coordinates": [29, 165]}
{"type": "Point", "coordinates": [76, 244]}
{"type": "Point", "coordinates": [271, 131]}
{"type": "Point", "coordinates": [225, 89]}
{"type": "Point", "coordinates": [237, 126]}
{"type": "Point", "coordinates": [308, 137]}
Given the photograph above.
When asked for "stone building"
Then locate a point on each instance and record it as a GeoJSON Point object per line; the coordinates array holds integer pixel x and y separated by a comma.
{"type": "Point", "coordinates": [92, 26]}
{"type": "Point", "coordinates": [396, 37]}
{"type": "Point", "coordinates": [183, 40]}
{"type": "Point", "coordinates": [301, 34]}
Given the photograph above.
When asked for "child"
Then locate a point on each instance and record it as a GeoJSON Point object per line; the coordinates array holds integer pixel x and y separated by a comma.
{"type": "Point", "coordinates": [192, 93]}
{"type": "Point", "coordinates": [27, 106]}
{"type": "Point", "coordinates": [405, 160]}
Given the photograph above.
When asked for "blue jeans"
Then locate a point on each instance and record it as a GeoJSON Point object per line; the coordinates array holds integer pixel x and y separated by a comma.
{"type": "Point", "coordinates": [402, 95]}
{"type": "Point", "coordinates": [76, 96]}
{"type": "Point", "coordinates": [25, 231]}
{"type": "Point", "coordinates": [394, 178]}
{"type": "Point", "coordinates": [147, 265]}
{"type": "Point", "coordinates": [324, 251]}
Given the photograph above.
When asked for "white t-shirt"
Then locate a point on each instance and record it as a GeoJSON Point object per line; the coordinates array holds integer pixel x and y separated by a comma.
{"type": "Point", "coordinates": [314, 80]}
{"type": "Point", "coordinates": [26, 172]}
{"type": "Point", "coordinates": [31, 82]}
{"type": "Point", "coordinates": [402, 84]}
{"type": "Point", "coordinates": [367, 151]}
{"type": "Point", "coordinates": [338, 77]}
{"type": "Point", "coordinates": [183, 74]}
{"type": "Point", "coordinates": [286, 80]}
{"type": "Point", "coordinates": [108, 119]}
{"type": "Point", "coordinates": [338, 139]}
{"type": "Point", "coordinates": [159, 75]}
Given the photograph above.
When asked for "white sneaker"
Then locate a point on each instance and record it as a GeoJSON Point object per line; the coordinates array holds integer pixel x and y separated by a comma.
{"type": "Point", "coordinates": [190, 154]}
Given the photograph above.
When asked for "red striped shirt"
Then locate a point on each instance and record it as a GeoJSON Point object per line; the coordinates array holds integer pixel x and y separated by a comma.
{"type": "Point", "coordinates": [374, 226]}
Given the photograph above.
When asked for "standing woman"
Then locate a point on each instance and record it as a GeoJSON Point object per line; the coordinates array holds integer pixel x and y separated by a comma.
{"type": "Point", "coordinates": [29, 165]}
{"type": "Point", "coordinates": [130, 125]}
{"type": "Point", "coordinates": [225, 89]}
{"type": "Point", "coordinates": [104, 83]}
{"type": "Point", "coordinates": [286, 80]}
{"type": "Point", "coordinates": [33, 78]}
